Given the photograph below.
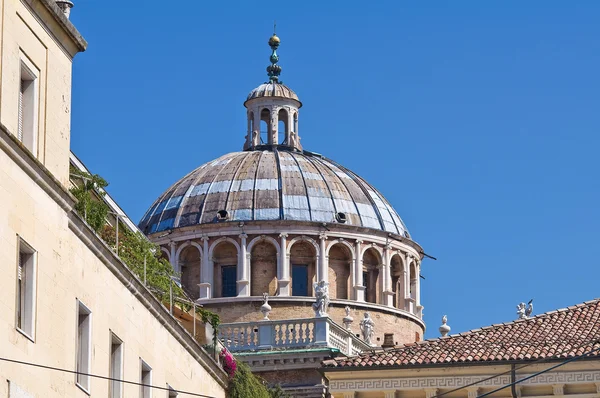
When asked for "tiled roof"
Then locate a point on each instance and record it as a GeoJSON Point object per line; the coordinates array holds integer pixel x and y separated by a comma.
{"type": "Point", "coordinates": [559, 334]}
{"type": "Point", "coordinates": [272, 185]}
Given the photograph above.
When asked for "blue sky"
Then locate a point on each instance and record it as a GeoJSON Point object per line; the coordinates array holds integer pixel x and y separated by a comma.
{"type": "Point", "coordinates": [478, 121]}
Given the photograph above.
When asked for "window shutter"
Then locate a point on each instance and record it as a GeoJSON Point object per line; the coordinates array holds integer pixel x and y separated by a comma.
{"type": "Point", "coordinates": [20, 113]}
{"type": "Point", "coordinates": [20, 271]}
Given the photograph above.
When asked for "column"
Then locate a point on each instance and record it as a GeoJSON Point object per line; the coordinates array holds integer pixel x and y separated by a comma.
{"type": "Point", "coordinates": [173, 251]}
{"type": "Point", "coordinates": [388, 294]}
{"type": "Point", "coordinates": [472, 392]}
{"type": "Point", "coordinates": [283, 267]}
{"type": "Point", "coordinates": [417, 295]}
{"type": "Point", "coordinates": [323, 267]}
{"type": "Point", "coordinates": [431, 392]}
{"type": "Point", "coordinates": [273, 126]}
{"type": "Point", "coordinates": [359, 288]}
{"type": "Point", "coordinates": [243, 283]}
{"type": "Point", "coordinates": [206, 272]}
{"type": "Point", "coordinates": [401, 293]}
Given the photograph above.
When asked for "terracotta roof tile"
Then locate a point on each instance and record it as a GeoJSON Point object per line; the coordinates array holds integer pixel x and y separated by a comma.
{"type": "Point", "coordinates": [562, 333]}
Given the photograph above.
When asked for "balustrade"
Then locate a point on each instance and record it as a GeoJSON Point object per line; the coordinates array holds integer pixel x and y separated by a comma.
{"type": "Point", "coordinates": [294, 333]}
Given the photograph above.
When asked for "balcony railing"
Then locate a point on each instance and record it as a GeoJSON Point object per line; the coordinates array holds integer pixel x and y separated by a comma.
{"type": "Point", "coordinates": [294, 333]}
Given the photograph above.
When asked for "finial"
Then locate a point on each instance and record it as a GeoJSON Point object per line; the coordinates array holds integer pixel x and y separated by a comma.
{"type": "Point", "coordinates": [274, 70]}
{"type": "Point", "coordinates": [444, 329]}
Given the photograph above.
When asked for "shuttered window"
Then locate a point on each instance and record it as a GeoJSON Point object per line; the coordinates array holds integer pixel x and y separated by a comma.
{"type": "Point", "coordinates": [26, 289]}
{"type": "Point", "coordinates": [20, 111]}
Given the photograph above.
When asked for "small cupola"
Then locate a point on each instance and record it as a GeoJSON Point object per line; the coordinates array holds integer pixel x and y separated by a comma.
{"type": "Point", "coordinates": [272, 110]}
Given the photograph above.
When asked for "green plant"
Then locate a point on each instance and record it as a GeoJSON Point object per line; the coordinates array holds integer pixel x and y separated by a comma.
{"type": "Point", "coordinates": [246, 385]}
{"type": "Point", "coordinates": [89, 195]}
{"type": "Point", "coordinates": [143, 258]}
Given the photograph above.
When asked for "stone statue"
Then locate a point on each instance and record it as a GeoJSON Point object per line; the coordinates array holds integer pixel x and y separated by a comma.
{"type": "Point", "coordinates": [322, 295]}
{"type": "Point", "coordinates": [265, 308]}
{"type": "Point", "coordinates": [348, 318]}
{"type": "Point", "coordinates": [367, 327]}
{"type": "Point", "coordinates": [524, 312]}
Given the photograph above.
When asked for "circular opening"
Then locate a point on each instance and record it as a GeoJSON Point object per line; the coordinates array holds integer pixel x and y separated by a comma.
{"type": "Point", "coordinates": [341, 217]}
{"type": "Point", "coordinates": [222, 215]}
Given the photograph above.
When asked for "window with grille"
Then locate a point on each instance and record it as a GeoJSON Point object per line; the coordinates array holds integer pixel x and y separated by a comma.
{"type": "Point", "coordinates": [27, 106]}
{"type": "Point", "coordinates": [26, 289]}
{"type": "Point", "coordinates": [84, 346]}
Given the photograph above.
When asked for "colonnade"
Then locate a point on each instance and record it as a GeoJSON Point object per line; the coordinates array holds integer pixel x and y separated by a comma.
{"type": "Point", "coordinates": [407, 291]}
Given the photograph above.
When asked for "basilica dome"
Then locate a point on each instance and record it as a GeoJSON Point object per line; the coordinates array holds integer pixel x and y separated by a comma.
{"type": "Point", "coordinates": [272, 184]}
{"type": "Point", "coordinates": [272, 90]}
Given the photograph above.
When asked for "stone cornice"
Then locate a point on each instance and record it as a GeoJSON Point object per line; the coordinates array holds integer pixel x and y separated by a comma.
{"type": "Point", "coordinates": [60, 18]}
{"type": "Point", "coordinates": [137, 288]}
{"type": "Point", "coordinates": [35, 170]}
{"type": "Point", "coordinates": [252, 228]}
{"type": "Point", "coordinates": [378, 383]}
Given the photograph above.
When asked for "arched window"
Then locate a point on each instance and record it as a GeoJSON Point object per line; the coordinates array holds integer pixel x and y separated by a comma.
{"type": "Point", "coordinates": [340, 265]}
{"type": "Point", "coordinates": [225, 258]}
{"type": "Point", "coordinates": [282, 127]}
{"type": "Point", "coordinates": [371, 261]}
{"type": "Point", "coordinates": [263, 269]}
{"type": "Point", "coordinates": [190, 263]}
{"type": "Point", "coordinates": [303, 268]}
{"type": "Point", "coordinates": [265, 126]}
{"type": "Point", "coordinates": [250, 123]}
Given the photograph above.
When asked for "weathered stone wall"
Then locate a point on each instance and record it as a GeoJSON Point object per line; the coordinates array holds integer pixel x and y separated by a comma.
{"type": "Point", "coordinates": [405, 329]}
{"type": "Point", "coordinates": [263, 269]}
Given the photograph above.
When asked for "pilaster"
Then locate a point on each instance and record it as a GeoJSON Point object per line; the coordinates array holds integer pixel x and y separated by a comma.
{"type": "Point", "coordinates": [388, 294]}
{"type": "Point", "coordinates": [206, 271]}
{"type": "Point", "coordinates": [323, 270]}
{"type": "Point", "coordinates": [243, 282]}
{"type": "Point", "coordinates": [359, 287]}
{"type": "Point", "coordinates": [283, 268]}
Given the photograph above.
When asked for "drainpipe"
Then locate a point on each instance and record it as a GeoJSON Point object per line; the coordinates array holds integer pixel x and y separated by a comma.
{"type": "Point", "coordinates": [513, 379]}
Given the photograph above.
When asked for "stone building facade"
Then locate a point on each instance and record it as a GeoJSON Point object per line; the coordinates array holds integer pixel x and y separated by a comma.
{"type": "Point", "coordinates": [66, 300]}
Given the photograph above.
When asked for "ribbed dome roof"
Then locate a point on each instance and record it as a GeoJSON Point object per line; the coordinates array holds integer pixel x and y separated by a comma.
{"type": "Point", "coordinates": [271, 185]}
{"type": "Point", "coordinates": [272, 90]}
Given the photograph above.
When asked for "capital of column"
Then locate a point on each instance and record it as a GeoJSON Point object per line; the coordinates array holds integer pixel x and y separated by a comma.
{"type": "Point", "coordinates": [284, 235]}
{"type": "Point", "coordinates": [359, 241]}
{"type": "Point", "coordinates": [389, 394]}
{"type": "Point", "coordinates": [430, 392]}
{"type": "Point", "coordinates": [172, 244]}
{"type": "Point", "coordinates": [243, 235]}
{"type": "Point", "coordinates": [204, 238]}
{"type": "Point", "coordinates": [322, 236]}
{"type": "Point", "coordinates": [473, 392]}
{"type": "Point", "coordinates": [557, 389]}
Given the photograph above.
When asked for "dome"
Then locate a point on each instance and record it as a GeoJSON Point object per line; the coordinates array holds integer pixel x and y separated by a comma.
{"type": "Point", "coordinates": [272, 90]}
{"type": "Point", "coordinates": [272, 185]}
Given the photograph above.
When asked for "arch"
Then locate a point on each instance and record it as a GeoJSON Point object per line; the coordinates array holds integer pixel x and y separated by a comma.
{"type": "Point", "coordinates": [397, 277]}
{"type": "Point", "coordinates": [183, 246]}
{"type": "Point", "coordinates": [302, 265]}
{"type": "Point", "coordinates": [340, 269]}
{"type": "Point", "coordinates": [373, 246]}
{"type": "Point", "coordinates": [261, 238]}
{"type": "Point", "coordinates": [221, 240]}
{"type": "Point", "coordinates": [189, 263]}
{"type": "Point", "coordinates": [372, 258]}
{"type": "Point", "coordinates": [303, 238]}
{"type": "Point", "coordinates": [263, 262]}
{"type": "Point", "coordinates": [265, 126]}
{"type": "Point", "coordinates": [341, 242]}
{"type": "Point", "coordinates": [283, 128]}
{"type": "Point", "coordinates": [225, 267]}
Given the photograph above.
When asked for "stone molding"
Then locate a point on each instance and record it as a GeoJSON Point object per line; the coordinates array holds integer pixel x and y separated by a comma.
{"type": "Point", "coordinates": [145, 297]}
{"type": "Point", "coordinates": [35, 170]}
{"type": "Point", "coordinates": [420, 383]}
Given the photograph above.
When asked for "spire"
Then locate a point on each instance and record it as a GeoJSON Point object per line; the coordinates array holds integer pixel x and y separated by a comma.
{"type": "Point", "coordinates": [274, 70]}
